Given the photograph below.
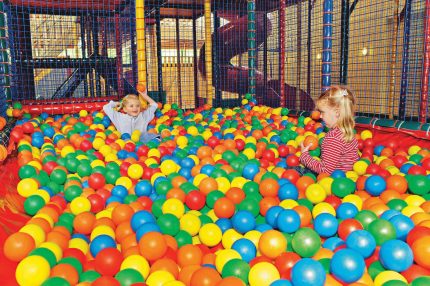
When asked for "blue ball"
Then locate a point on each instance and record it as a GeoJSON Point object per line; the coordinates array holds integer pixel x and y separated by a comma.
{"type": "Point", "coordinates": [389, 214]}
{"type": "Point", "coordinates": [288, 221]}
{"type": "Point", "coordinates": [141, 217]}
{"type": "Point", "coordinates": [378, 149]}
{"type": "Point", "coordinates": [332, 243]}
{"type": "Point", "coordinates": [337, 174]}
{"type": "Point", "coordinates": [250, 170]}
{"type": "Point", "coordinates": [224, 224]}
{"type": "Point", "coordinates": [101, 242]}
{"type": "Point", "coordinates": [263, 227]}
{"type": "Point", "coordinates": [346, 210]}
{"type": "Point", "coordinates": [403, 225]}
{"type": "Point", "coordinates": [308, 272]}
{"type": "Point", "coordinates": [281, 282]}
{"type": "Point", "coordinates": [347, 265]}
{"type": "Point", "coordinates": [119, 191]}
{"type": "Point", "coordinates": [288, 191]}
{"type": "Point", "coordinates": [185, 172]}
{"type": "Point", "coordinates": [143, 188]}
{"type": "Point", "coordinates": [243, 221]}
{"type": "Point", "coordinates": [361, 241]}
{"type": "Point", "coordinates": [145, 228]}
{"type": "Point", "coordinates": [375, 185]}
{"type": "Point", "coordinates": [272, 215]}
{"type": "Point", "coordinates": [245, 248]}
{"type": "Point", "coordinates": [207, 169]}
{"type": "Point", "coordinates": [112, 199]}
{"type": "Point", "coordinates": [396, 255]}
{"type": "Point", "coordinates": [326, 225]}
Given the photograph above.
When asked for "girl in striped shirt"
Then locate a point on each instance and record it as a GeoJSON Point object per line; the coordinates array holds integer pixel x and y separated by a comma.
{"type": "Point", "coordinates": [339, 150]}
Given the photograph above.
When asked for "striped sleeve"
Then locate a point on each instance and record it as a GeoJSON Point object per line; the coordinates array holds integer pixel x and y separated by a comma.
{"type": "Point", "coordinates": [331, 150]}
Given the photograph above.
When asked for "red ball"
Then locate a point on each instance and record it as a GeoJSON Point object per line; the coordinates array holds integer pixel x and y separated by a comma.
{"type": "Point", "coordinates": [16, 134]}
{"type": "Point", "coordinates": [129, 146]}
{"type": "Point", "coordinates": [399, 160]}
{"type": "Point", "coordinates": [416, 233]}
{"type": "Point", "coordinates": [373, 169]}
{"type": "Point", "coordinates": [240, 144]}
{"type": "Point", "coordinates": [96, 181]}
{"type": "Point", "coordinates": [108, 261]}
{"type": "Point", "coordinates": [333, 201]}
{"type": "Point", "coordinates": [426, 164]}
{"type": "Point", "coordinates": [293, 161]}
{"type": "Point", "coordinates": [347, 226]}
{"type": "Point", "coordinates": [85, 145]}
{"type": "Point", "coordinates": [106, 280]}
{"type": "Point", "coordinates": [285, 262]}
{"type": "Point", "coordinates": [48, 167]}
{"type": "Point", "coordinates": [195, 200]}
{"type": "Point", "coordinates": [142, 150]}
{"type": "Point", "coordinates": [291, 175]}
{"type": "Point", "coordinates": [97, 203]}
{"type": "Point", "coordinates": [369, 142]}
{"type": "Point", "coordinates": [283, 150]}
{"type": "Point", "coordinates": [269, 155]}
{"type": "Point", "coordinates": [213, 141]}
{"type": "Point", "coordinates": [417, 170]}
{"type": "Point", "coordinates": [28, 127]}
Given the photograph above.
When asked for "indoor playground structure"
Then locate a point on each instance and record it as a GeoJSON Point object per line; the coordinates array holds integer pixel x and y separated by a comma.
{"type": "Point", "coordinates": [215, 202]}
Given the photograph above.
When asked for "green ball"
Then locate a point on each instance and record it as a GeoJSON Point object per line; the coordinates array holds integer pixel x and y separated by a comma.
{"type": "Point", "coordinates": [72, 165]}
{"type": "Point", "coordinates": [33, 204]}
{"type": "Point", "coordinates": [418, 184]}
{"type": "Point", "coordinates": [375, 268]}
{"type": "Point", "coordinates": [365, 217]}
{"type": "Point", "coordinates": [341, 187]}
{"type": "Point", "coordinates": [251, 187]}
{"type": "Point", "coordinates": [421, 281]}
{"type": "Point", "coordinates": [218, 173]}
{"type": "Point", "coordinates": [67, 218]}
{"type": "Point", "coordinates": [395, 283]}
{"type": "Point", "coordinates": [129, 276]}
{"type": "Point", "coordinates": [204, 219]}
{"type": "Point", "coordinates": [236, 268]}
{"type": "Point", "coordinates": [130, 198]}
{"type": "Point", "coordinates": [169, 224]}
{"type": "Point", "coordinates": [228, 156]}
{"type": "Point", "coordinates": [72, 261]}
{"type": "Point", "coordinates": [183, 238]}
{"type": "Point", "coordinates": [250, 204]}
{"type": "Point", "coordinates": [112, 166]}
{"type": "Point", "coordinates": [43, 178]}
{"type": "Point", "coordinates": [58, 176]}
{"type": "Point", "coordinates": [45, 253]}
{"type": "Point", "coordinates": [212, 197]}
{"type": "Point", "coordinates": [27, 171]}
{"type": "Point", "coordinates": [325, 262]}
{"type": "Point", "coordinates": [72, 192]}
{"type": "Point", "coordinates": [382, 230]}
{"type": "Point", "coordinates": [397, 204]}
{"type": "Point", "coordinates": [89, 276]}
{"type": "Point", "coordinates": [157, 207]}
{"type": "Point", "coordinates": [188, 187]}
{"type": "Point", "coordinates": [84, 169]}
{"type": "Point", "coordinates": [99, 169]}
{"type": "Point", "coordinates": [416, 158]}
{"type": "Point", "coordinates": [270, 175]}
{"type": "Point", "coordinates": [305, 202]}
{"type": "Point", "coordinates": [163, 187]}
{"type": "Point", "coordinates": [17, 105]}
{"type": "Point", "coordinates": [112, 176]}
{"type": "Point", "coordinates": [306, 242]}
{"type": "Point", "coordinates": [55, 281]}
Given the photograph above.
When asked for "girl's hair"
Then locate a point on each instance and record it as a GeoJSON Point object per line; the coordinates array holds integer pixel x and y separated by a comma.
{"type": "Point", "coordinates": [341, 98]}
{"type": "Point", "coordinates": [126, 99]}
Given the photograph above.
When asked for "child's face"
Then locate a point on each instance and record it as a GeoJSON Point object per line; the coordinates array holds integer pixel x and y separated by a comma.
{"type": "Point", "coordinates": [132, 107]}
{"type": "Point", "coordinates": [329, 115]}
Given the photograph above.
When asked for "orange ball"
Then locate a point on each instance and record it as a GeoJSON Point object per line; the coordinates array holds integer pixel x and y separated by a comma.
{"type": "Point", "coordinates": [269, 187]}
{"type": "Point", "coordinates": [272, 243]}
{"type": "Point", "coordinates": [58, 238]}
{"type": "Point", "coordinates": [205, 276]}
{"type": "Point", "coordinates": [18, 246]}
{"type": "Point", "coordinates": [266, 203]}
{"type": "Point", "coordinates": [166, 264]}
{"type": "Point", "coordinates": [66, 271]}
{"type": "Point", "coordinates": [122, 230]}
{"type": "Point", "coordinates": [189, 255]}
{"type": "Point", "coordinates": [208, 185]}
{"type": "Point", "coordinates": [236, 195]}
{"type": "Point", "coordinates": [187, 272]}
{"type": "Point", "coordinates": [304, 214]}
{"type": "Point", "coordinates": [122, 213]}
{"type": "Point", "coordinates": [311, 141]}
{"type": "Point", "coordinates": [204, 152]}
{"type": "Point", "coordinates": [152, 245]}
{"type": "Point", "coordinates": [231, 281]}
{"type": "Point", "coordinates": [421, 250]}
{"type": "Point", "coordinates": [224, 208]}
{"type": "Point", "coordinates": [397, 183]}
{"type": "Point", "coordinates": [84, 222]}
{"type": "Point", "coordinates": [141, 87]}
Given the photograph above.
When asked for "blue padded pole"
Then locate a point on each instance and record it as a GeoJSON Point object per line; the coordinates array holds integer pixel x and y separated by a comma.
{"type": "Point", "coordinates": [405, 61]}
{"type": "Point", "coordinates": [327, 44]}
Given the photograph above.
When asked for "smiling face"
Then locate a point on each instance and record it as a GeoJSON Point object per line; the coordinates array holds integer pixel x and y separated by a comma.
{"type": "Point", "coordinates": [132, 107]}
{"type": "Point", "coordinates": [329, 115]}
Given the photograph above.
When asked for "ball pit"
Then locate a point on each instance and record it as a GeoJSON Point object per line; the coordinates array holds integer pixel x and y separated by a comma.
{"type": "Point", "coordinates": [214, 203]}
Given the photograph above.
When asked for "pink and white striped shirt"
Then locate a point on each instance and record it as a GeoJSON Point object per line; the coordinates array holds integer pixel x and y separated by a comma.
{"type": "Point", "coordinates": [336, 154]}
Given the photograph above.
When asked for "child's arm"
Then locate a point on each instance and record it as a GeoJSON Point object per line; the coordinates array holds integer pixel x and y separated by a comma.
{"type": "Point", "coordinates": [144, 95]}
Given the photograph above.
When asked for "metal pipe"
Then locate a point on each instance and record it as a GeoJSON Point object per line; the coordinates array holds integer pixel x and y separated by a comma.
{"type": "Point", "coordinates": [208, 53]}
{"type": "Point", "coordinates": [195, 63]}
{"type": "Point", "coordinates": [159, 54]}
{"type": "Point", "coordinates": [178, 61]}
{"type": "Point", "coordinates": [405, 61]}
{"type": "Point", "coordinates": [327, 44]}
{"type": "Point", "coordinates": [395, 33]}
{"type": "Point", "coordinates": [344, 42]}
{"type": "Point", "coordinates": [299, 55]}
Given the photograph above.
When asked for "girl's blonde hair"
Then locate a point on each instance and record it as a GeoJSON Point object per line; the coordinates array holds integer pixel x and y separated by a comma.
{"type": "Point", "coordinates": [126, 99]}
{"type": "Point", "coordinates": [342, 99]}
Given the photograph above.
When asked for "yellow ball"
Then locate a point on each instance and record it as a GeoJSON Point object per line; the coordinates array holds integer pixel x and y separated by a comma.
{"type": "Point", "coordinates": [198, 178]}
{"type": "Point", "coordinates": [80, 205]}
{"type": "Point", "coordinates": [263, 273]}
{"type": "Point", "coordinates": [249, 153]}
{"type": "Point", "coordinates": [288, 204]}
{"type": "Point", "coordinates": [154, 153]}
{"type": "Point", "coordinates": [111, 157]}
{"type": "Point", "coordinates": [360, 167]}
{"type": "Point", "coordinates": [223, 184]}
{"type": "Point", "coordinates": [67, 150]}
{"type": "Point", "coordinates": [414, 200]}
{"type": "Point", "coordinates": [83, 113]}
{"type": "Point", "coordinates": [355, 200]}
{"type": "Point", "coordinates": [32, 271]}
{"type": "Point", "coordinates": [315, 193]}
{"type": "Point", "coordinates": [190, 223]}
{"type": "Point", "coordinates": [366, 134]}
{"type": "Point", "coordinates": [36, 232]}
{"type": "Point", "coordinates": [192, 130]}
{"type": "Point", "coordinates": [102, 230]}
{"type": "Point", "coordinates": [138, 263]}
{"type": "Point", "coordinates": [159, 278]}
{"type": "Point", "coordinates": [229, 237]}
{"type": "Point", "coordinates": [253, 236]}
{"type": "Point", "coordinates": [414, 149]}
{"type": "Point", "coordinates": [80, 244]}
{"type": "Point", "coordinates": [124, 181]}
{"type": "Point", "coordinates": [98, 143]}
{"type": "Point", "coordinates": [326, 184]}
{"type": "Point", "coordinates": [210, 234]}
{"type": "Point", "coordinates": [135, 171]}
{"type": "Point", "coordinates": [182, 141]}
{"type": "Point", "coordinates": [223, 256]}
{"type": "Point", "coordinates": [323, 207]}
{"type": "Point", "coordinates": [27, 187]}
{"type": "Point", "coordinates": [386, 276]}
{"type": "Point", "coordinates": [238, 182]}
{"type": "Point", "coordinates": [55, 248]}
{"type": "Point", "coordinates": [173, 206]}
{"type": "Point", "coordinates": [411, 210]}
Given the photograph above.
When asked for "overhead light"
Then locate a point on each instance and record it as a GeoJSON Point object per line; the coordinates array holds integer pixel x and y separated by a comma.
{"type": "Point", "coordinates": [364, 51]}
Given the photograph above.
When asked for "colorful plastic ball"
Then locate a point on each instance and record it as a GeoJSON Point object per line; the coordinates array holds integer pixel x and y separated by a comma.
{"type": "Point", "coordinates": [236, 268]}
{"type": "Point", "coordinates": [421, 250]}
{"type": "Point", "coordinates": [418, 184]}
{"type": "Point", "coordinates": [281, 282]}
{"type": "Point", "coordinates": [342, 187]}
{"type": "Point", "coordinates": [36, 232]}
{"type": "Point", "coordinates": [375, 185]}
{"type": "Point", "coordinates": [108, 261]}
{"type": "Point", "coordinates": [421, 281]}
{"type": "Point", "coordinates": [143, 188]}
{"type": "Point", "coordinates": [288, 191]}
{"type": "Point", "coordinates": [129, 276]}
{"type": "Point", "coordinates": [263, 273]}
{"type": "Point", "coordinates": [173, 206]}
{"type": "Point", "coordinates": [141, 217]}
{"type": "Point", "coordinates": [308, 272]}
{"type": "Point", "coordinates": [246, 248]}
{"type": "Point", "coordinates": [403, 225]}
{"type": "Point", "coordinates": [210, 234]}
{"type": "Point", "coordinates": [32, 270]}
{"type": "Point", "coordinates": [315, 193]}
{"type": "Point", "coordinates": [80, 205]}
{"type": "Point", "coordinates": [272, 243]}
{"type": "Point", "coordinates": [152, 245]}
{"type": "Point", "coordinates": [27, 187]}
{"type": "Point", "coordinates": [382, 230]}
{"type": "Point", "coordinates": [33, 204]}
{"type": "Point", "coordinates": [250, 170]}
{"type": "Point", "coordinates": [101, 242]}
{"type": "Point", "coordinates": [326, 225]}
{"type": "Point", "coordinates": [347, 265]}
{"type": "Point", "coordinates": [18, 245]}
{"type": "Point", "coordinates": [388, 275]}
{"type": "Point", "coordinates": [169, 224]}
{"type": "Point", "coordinates": [138, 263]}
{"type": "Point", "coordinates": [346, 210]}
{"type": "Point", "coordinates": [306, 242]}
{"type": "Point", "coordinates": [396, 255]}
{"type": "Point", "coordinates": [56, 281]}
{"type": "Point", "coordinates": [288, 221]}
{"type": "Point", "coordinates": [362, 242]}
{"type": "Point", "coordinates": [243, 221]}
{"type": "Point", "coordinates": [105, 280]}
